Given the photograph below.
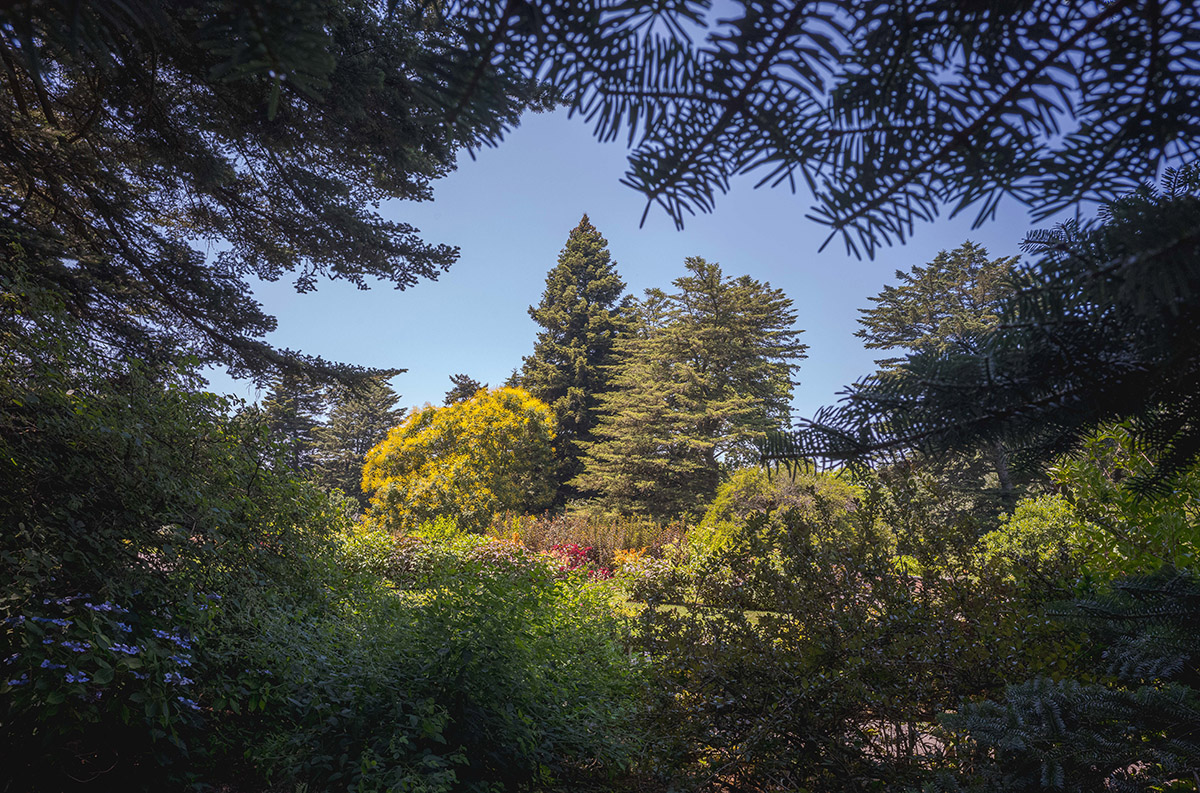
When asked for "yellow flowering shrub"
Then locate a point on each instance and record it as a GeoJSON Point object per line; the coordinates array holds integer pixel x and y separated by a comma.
{"type": "Point", "coordinates": [470, 460]}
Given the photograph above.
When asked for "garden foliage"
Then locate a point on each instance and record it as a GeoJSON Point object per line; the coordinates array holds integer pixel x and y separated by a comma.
{"type": "Point", "coordinates": [805, 652]}
{"type": "Point", "coordinates": [581, 315]}
{"type": "Point", "coordinates": [469, 460]}
{"type": "Point", "coordinates": [451, 664]}
{"type": "Point", "coordinates": [703, 373]}
{"type": "Point", "coordinates": [1134, 727]}
{"type": "Point", "coordinates": [135, 507]}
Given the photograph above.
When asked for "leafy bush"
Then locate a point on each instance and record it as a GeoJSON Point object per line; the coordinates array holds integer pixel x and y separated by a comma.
{"type": "Point", "coordinates": [1129, 531]}
{"type": "Point", "coordinates": [476, 668]}
{"type": "Point", "coordinates": [470, 460]}
{"type": "Point", "coordinates": [753, 491]}
{"type": "Point", "coordinates": [799, 655]}
{"type": "Point", "coordinates": [1037, 545]}
{"type": "Point", "coordinates": [132, 503]}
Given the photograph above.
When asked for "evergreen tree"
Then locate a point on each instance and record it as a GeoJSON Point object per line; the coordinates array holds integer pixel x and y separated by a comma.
{"type": "Point", "coordinates": [944, 307]}
{"type": "Point", "coordinates": [280, 123]}
{"type": "Point", "coordinates": [293, 408]}
{"type": "Point", "coordinates": [136, 134]}
{"type": "Point", "coordinates": [706, 375]}
{"type": "Point", "coordinates": [580, 319]}
{"type": "Point", "coordinates": [360, 419]}
{"type": "Point", "coordinates": [464, 387]}
{"type": "Point", "coordinates": [1131, 725]}
{"type": "Point", "coordinates": [1105, 330]}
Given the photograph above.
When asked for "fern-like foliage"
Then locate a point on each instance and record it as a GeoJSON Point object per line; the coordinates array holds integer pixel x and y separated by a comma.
{"type": "Point", "coordinates": [889, 112]}
{"type": "Point", "coordinates": [1137, 730]}
{"type": "Point", "coordinates": [1108, 328]}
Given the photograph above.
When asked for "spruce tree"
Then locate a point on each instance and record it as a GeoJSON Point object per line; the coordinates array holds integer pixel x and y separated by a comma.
{"type": "Point", "coordinates": [580, 318]}
{"type": "Point", "coordinates": [463, 387]}
{"type": "Point", "coordinates": [293, 407]}
{"type": "Point", "coordinates": [360, 418]}
{"type": "Point", "coordinates": [703, 379]}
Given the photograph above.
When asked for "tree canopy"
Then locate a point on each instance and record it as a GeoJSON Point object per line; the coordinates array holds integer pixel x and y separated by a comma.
{"type": "Point", "coordinates": [1105, 330]}
{"type": "Point", "coordinates": [463, 386]}
{"type": "Point", "coordinates": [155, 155]}
{"type": "Point", "coordinates": [358, 420]}
{"type": "Point", "coordinates": [158, 154]}
{"type": "Point", "coordinates": [941, 306]}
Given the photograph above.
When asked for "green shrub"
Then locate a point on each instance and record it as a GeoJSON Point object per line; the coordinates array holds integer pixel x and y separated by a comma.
{"type": "Point", "coordinates": [1128, 531]}
{"type": "Point", "coordinates": [1038, 545]}
{"type": "Point", "coordinates": [754, 490]}
{"type": "Point", "coordinates": [139, 513]}
{"type": "Point", "coordinates": [1134, 726]}
{"type": "Point", "coordinates": [804, 657]}
{"type": "Point", "coordinates": [474, 667]}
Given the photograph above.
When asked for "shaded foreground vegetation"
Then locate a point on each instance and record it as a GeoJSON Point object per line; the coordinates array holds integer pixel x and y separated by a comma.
{"type": "Point", "coordinates": [810, 631]}
{"type": "Point", "coordinates": [192, 603]}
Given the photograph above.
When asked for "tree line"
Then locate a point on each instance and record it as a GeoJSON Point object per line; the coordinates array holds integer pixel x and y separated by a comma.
{"type": "Point", "coordinates": [652, 401]}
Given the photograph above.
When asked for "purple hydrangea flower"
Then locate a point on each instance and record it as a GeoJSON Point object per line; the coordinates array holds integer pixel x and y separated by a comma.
{"type": "Point", "coordinates": [59, 622]}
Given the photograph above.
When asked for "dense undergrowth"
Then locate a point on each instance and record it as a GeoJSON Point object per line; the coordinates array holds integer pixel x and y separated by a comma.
{"type": "Point", "coordinates": [182, 611]}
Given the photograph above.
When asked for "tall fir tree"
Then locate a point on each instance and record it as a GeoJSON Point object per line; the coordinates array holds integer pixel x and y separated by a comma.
{"type": "Point", "coordinates": [707, 373]}
{"type": "Point", "coordinates": [581, 317]}
{"type": "Point", "coordinates": [942, 307]}
{"type": "Point", "coordinates": [293, 408]}
{"type": "Point", "coordinates": [360, 419]}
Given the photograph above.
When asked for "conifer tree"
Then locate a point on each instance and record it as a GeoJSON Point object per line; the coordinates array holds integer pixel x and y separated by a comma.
{"type": "Point", "coordinates": [463, 387]}
{"type": "Point", "coordinates": [1105, 330]}
{"type": "Point", "coordinates": [706, 375]}
{"type": "Point", "coordinates": [945, 307]}
{"type": "Point", "coordinates": [293, 407]}
{"type": "Point", "coordinates": [580, 318]}
{"type": "Point", "coordinates": [942, 306]}
{"type": "Point", "coordinates": [360, 418]}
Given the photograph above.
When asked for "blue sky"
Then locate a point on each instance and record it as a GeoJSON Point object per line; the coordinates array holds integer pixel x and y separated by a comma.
{"type": "Point", "coordinates": [510, 211]}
